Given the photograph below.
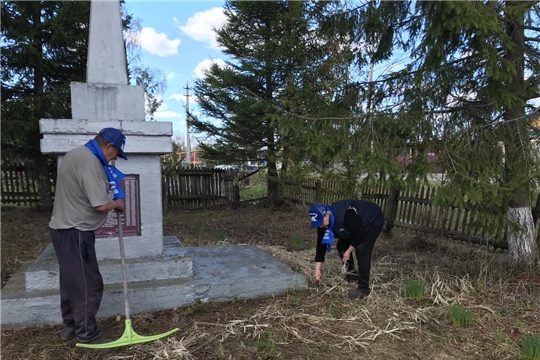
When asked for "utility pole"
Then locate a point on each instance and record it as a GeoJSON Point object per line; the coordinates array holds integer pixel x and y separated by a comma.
{"type": "Point", "coordinates": [188, 144]}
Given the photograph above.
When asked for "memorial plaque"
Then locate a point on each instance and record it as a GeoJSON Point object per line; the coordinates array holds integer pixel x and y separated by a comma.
{"type": "Point", "coordinates": [131, 217]}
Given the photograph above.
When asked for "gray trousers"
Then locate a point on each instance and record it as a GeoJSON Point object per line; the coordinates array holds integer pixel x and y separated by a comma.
{"type": "Point", "coordinates": [81, 284]}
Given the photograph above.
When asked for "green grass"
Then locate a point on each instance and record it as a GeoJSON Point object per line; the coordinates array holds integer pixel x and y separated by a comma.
{"type": "Point", "coordinates": [267, 344]}
{"type": "Point", "coordinates": [335, 311]}
{"type": "Point", "coordinates": [460, 315]}
{"type": "Point", "coordinates": [257, 187]}
{"type": "Point", "coordinates": [253, 192]}
{"type": "Point", "coordinates": [296, 301]}
{"type": "Point", "coordinates": [415, 289]}
{"type": "Point", "coordinates": [531, 347]}
{"type": "Point", "coordinates": [219, 236]}
{"type": "Point", "coordinates": [296, 241]}
{"type": "Point", "coordinates": [199, 308]}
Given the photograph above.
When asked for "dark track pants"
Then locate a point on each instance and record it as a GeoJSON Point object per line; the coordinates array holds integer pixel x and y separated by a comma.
{"type": "Point", "coordinates": [81, 284]}
{"type": "Point", "coordinates": [363, 254]}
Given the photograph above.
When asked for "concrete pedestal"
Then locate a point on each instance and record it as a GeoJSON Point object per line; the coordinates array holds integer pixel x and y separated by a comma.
{"type": "Point", "coordinates": [219, 273]}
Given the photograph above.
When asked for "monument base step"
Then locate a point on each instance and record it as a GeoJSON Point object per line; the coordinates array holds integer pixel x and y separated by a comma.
{"type": "Point", "coordinates": [220, 273]}
{"type": "Point", "coordinates": [175, 263]}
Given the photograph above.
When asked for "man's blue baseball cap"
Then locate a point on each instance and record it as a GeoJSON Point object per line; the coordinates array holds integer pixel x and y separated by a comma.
{"type": "Point", "coordinates": [316, 213]}
{"type": "Point", "coordinates": [115, 137]}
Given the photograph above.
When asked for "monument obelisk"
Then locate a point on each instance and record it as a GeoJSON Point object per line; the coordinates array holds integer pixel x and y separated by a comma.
{"type": "Point", "coordinates": [107, 100]}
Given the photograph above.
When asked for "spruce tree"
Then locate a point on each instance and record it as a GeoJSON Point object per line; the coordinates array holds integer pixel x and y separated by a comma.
{"type": "Point", "coordinates": [463, 92]}
{"type": "Point", "coordinates": [44, 49]}
{"type": "Point", "coordinates": [267, 44]}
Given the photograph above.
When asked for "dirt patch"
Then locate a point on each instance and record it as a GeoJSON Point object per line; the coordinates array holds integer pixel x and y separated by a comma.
{"type": "Point", "coordinates": [321, 322]}
{"type": "Point", "coordinates": [25, 234]}
{"type": "Point", "coordinates": [250, 224]}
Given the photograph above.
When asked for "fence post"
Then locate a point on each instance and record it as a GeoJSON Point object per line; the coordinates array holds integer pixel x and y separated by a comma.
{"type": "Point", "coordinates": [164, 194]}
{"type": "Point", "coordinates": [536, 210]}
{"type": "Point", "coordinates": [390, 210]}
{"type": "Point", "coordinates": [318, 192]}
{"type": "Point", "coordinates": [236, 197]}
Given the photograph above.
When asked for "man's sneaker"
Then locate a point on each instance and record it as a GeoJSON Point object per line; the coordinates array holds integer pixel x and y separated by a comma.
{"type": "Point", "coordinates": [68, 333]}
{"type": "Point", "coordinates": [359, 293]}
{"type": "Point", "coordinates": [351, 277]}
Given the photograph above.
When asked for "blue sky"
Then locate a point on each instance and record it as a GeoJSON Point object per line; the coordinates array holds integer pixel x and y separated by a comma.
{"type": "Point", "coordinates": [177, 38]}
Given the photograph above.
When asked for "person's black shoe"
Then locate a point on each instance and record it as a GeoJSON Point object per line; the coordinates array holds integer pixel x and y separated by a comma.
{"type": "Point", "coordinates": [68, 333]}
{"type": "Point", "coordinates": [351, 277]}
{"type": "Point", "coordinates": [359, 293]}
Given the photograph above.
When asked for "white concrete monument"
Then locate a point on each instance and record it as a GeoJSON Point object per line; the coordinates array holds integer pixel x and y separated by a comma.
{"type": "Point", "coordinates": [106, 100]}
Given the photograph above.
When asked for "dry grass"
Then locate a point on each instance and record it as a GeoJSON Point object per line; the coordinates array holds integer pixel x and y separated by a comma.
{"type": "Point", "coordinates": [322, 323]}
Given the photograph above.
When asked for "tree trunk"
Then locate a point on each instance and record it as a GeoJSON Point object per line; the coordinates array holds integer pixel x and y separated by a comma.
{"type": "Point", "coordinates": [273, 188]}
{"type": "Point", "coordinates": [44, 182]}
{"type": "Point", "coordinates": [536, 211]}
{"type": "Point", "coordinates": [44, 179]}
{"type": "Point", "coordinates": [522, 245]}
{"type": "Point", "coordinates": [390, 210]}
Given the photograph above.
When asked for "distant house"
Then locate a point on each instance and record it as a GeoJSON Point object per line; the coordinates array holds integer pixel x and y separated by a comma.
{"type": "Point", "coordinates": [535, 134]}
{"type": "Point", "coordinates": [405, 159]}
{"type": "Point", "coordinates": [535, 124]}
{"type": "Point", "coordinates": [195, 158]}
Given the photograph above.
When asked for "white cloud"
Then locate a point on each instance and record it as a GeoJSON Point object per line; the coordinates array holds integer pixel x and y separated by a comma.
{"type": "Point", "coordinates": [163, 113]}
{"type": "Point", "coordinates": [205, 65]}
{"type": "Point", "coordinates": [170, 76]}
{"type": "Point", "coordinates": [201, 25]}
{"type": "Point", "coordinates": [534, 102]}
{"type": "Point", "coordinates": [167, 115]}
{"type": "Point", "coordinates": [157, 43]}
{"type": "Point", "coordinates": [182, 97]}
{"type": "Point", "coordinates": [395, 68]}
{"type": "Point", "coordinates": [177, 97]}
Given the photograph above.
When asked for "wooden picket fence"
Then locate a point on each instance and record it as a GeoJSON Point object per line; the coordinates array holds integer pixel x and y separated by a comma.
{"type": "Point", "coordinates": [409, 209]}
{"type": "Point", "coordinates": [20, 186]}
{"type": "Point", "coordinates": [414, 210]}
{"type": "Point", "coordinates": [189, 186]}
{"type": "Point", "coordinates": [193, 187]}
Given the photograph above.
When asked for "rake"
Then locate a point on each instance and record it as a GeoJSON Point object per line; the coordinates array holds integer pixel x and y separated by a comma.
{"type": "Point", "coordinates": [129, 337]}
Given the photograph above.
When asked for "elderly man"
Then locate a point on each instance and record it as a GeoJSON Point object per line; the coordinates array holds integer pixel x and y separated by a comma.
{"type": "Point", "coordinates": [357, 225]}
{"type": "Point", "coordinates": [81, 205]}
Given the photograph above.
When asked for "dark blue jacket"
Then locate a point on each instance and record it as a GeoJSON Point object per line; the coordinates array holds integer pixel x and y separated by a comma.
{"type": "Point", "coordinates": [352, 220]}
{"type": "Point", "coordinates": [370, 214]}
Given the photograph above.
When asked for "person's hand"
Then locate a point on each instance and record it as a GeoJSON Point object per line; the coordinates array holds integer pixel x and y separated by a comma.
{"type": "Point", "coordinates": [119, 205]}
{"type": "Point", "coordinates": [317, 274]}
{"type": "Point", "coordinates": [346, 256]}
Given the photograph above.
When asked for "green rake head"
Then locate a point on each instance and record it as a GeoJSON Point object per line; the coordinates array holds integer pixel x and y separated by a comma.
{"type": "Point", "coordinates": [129, 337]}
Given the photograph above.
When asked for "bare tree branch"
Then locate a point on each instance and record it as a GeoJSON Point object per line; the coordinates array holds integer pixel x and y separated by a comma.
{"type": "Point", "coordinates": [534, 28]}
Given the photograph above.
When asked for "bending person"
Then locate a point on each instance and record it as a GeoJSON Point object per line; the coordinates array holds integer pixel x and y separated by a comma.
{"type": "Point", "coordinates": [356, 224]}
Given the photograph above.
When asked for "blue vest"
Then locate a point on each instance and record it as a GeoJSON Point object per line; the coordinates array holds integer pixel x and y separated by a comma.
{"type": "Point", "coordinates": [370, 214]}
